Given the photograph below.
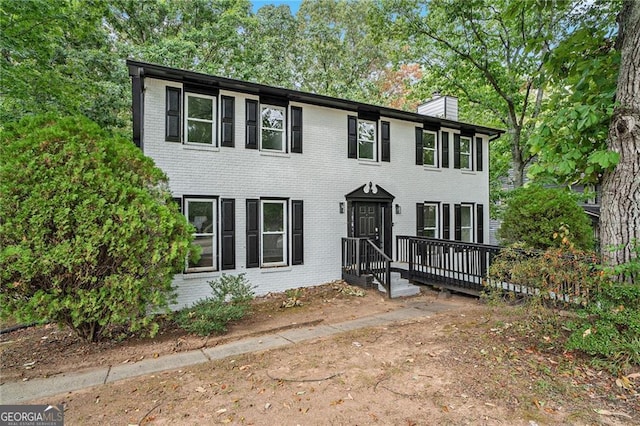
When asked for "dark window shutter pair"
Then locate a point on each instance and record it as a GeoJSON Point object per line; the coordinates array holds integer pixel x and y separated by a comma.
{"type": "Point", "coordinates": [457, 213]}
{"type": "Point", "coordinates": [228, 109]}
{"type": "Point", "coordinates": [251, 120]}
{"type": "Point", "coordinates": [253, 233]}
{"type": "Point", "coordinates": [456, 152]}
{"type": "Point", "coordinates": [228, 234]}
{"type": "Point", "coordinates": [352, 136]}
{"type": "Point", "coordinates": [386, 141]}
{"type": "Point", "coordinates": [446, 222]}
{"type": "Point", "coordinates": [445, 149]}
{"type": "Point", "coordinates": [480, 223]}
{"type": "Point", "coordinates": [297, 228]}
{"type": "Point", "coordinates": [296, 129]}
{"type": "Point", "coordinates": [173, 119]}
{"type": "Point", "coordinates": [419, 219]}
{"type": "Point", "coordinates": [419, 147]}
{"type": "Point", "coordinates": [479, 154]}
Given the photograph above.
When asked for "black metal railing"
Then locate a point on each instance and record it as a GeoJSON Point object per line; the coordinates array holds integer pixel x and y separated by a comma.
{"type": "Point", "coordinates": [463, 266]}
{"type": "Point", "coordinates": [361, 257]}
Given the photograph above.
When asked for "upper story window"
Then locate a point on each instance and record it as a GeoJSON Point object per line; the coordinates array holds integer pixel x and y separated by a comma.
{"type": "Point", "coordinates": [199, 120]}
{"type": "Point", "coordinates": [429, 148]}
{"type": "Point", "coordinates": [465, 153]}
{"type": "Point", "coordinates": [201, 213]}
{"type": "Point", "coordinates": [366, 140]}
{"type": "Point", "coordinates": [272, 129]}
{"type": "Point", "coordinates": [430, 223]}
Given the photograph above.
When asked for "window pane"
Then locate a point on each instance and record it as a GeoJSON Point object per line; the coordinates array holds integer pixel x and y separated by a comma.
{"type": "Point", "coordinates": [273, 217]}
{"type": "Point", "coordinates": [200, 108]}
{"type": "Point", "coordinates": [428, 157]}
{"type": "Point", "coordinates": [199, 132]}
{"type": "Point", "coordinates": [464, 161]}
{"type": "Point", "coordinates": [201, 216]}
{"type": "Point", "coordinates": [272, 248]}
{"type": "Point", "coordinates": [365, 150]}
{"type": "Point", "coordinates": [366, 131]}
{"type": "Point", "coordinates": [206, 256]}
{"type": "Point", "coordinates": [431, 233]}
{"type": "Point", "coordinates": [428, 140]}
{"type": "Point", "coordinates": [272, 118]}
{"type": "Point", "coordinates": [430, 216]}
{"type": "Point", "coordinates": [465, 216]}
{"type": "Point", "coordinates": [272, 139]}
{"type": "Point", "coordinates": [466, 235]}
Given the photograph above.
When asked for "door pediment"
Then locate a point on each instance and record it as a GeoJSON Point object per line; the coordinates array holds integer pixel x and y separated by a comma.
{"type": "Point", "coordinates": [370, 192]}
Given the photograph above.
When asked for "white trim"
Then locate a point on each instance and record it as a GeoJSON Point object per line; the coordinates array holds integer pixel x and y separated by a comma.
{"type": "Point", "coordinates": [466, 153]}
{"type": "Point", "coordinates": [213, 233]}
{"type": "Point", "coordinates": [436, 207]}
{"type": "Point", "coordinates": [283, 110]}
{"type": "Point", "coordinates": [284, 233]}
{"type": "Point", "coordinates": [471, 221]}
{"type": "Point", "coordinates": [374, 142]}
{"type": "Point", "coordinates": [434, 149]}
{"type": "Point", "coordinates": [214, 109]}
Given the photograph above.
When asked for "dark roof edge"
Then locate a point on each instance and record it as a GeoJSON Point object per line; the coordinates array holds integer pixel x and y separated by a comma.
{"type": "Point", "coordinates": [163, 72]}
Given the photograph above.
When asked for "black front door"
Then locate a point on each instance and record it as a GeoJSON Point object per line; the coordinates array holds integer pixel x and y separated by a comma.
{"type": "Point", "coordinates": [368, 221]}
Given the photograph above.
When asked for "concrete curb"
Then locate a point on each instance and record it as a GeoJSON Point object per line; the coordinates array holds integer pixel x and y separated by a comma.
{"type": "Point", "coordinates": [21, 392]}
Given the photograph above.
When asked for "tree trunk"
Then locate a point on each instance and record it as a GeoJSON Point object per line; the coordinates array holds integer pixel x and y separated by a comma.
{"type": "Point", "coordinates": [620, 211]}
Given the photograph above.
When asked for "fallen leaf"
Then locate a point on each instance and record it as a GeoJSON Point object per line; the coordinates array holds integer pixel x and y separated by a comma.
{"type": "Point", "coordinates": [586, 332]}
{"type": "Point", "coordinates": [445, 409]}
{"type": "Point", "coordinates": [357, 344]}
{"type": "Point", "coordinates": [222, 410]}
{"type": "Point", "coordinates": [267, 405]}
{"type": "Point", "coordinates": [200, 389]}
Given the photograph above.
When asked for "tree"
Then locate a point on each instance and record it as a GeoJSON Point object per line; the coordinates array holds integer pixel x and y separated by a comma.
{"type": "Point", "coordinates": [620, 211]}
{"type": "Point", "coordinates": [488, 53]}
{"type": "Point", "coordinates": [89, 237]}
{"type": "Point", "coordinates": [535, 214]}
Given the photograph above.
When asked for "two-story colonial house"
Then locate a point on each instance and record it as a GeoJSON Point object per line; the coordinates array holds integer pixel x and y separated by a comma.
{"type": "Point", "coordinates": [272, 179]}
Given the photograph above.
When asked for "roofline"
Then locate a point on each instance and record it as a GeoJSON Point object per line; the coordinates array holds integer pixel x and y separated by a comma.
{"type": "Point", "coordinates": [145, 69]}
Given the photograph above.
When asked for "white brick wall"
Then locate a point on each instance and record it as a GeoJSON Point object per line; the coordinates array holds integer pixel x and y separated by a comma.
{"type": "Point", "coordinates": [321, 177]}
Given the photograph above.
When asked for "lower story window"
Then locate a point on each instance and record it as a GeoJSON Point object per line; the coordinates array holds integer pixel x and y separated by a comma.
{"type": "Point", "coordinates": [274, 236]}
{"type": "Point", "coordinates": [466, 223]}
{"type": "Point", "coordinates": [201, 213]}
{"type": "Point", "coordinates": [430, 213]}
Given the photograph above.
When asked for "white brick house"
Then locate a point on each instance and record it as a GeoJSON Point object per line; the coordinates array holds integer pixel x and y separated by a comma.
{"type": "Point", "coordinates": [272, 179]}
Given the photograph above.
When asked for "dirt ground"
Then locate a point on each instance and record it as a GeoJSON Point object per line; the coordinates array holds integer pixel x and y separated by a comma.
{"type": "Point", "coordinates": [474, 364]}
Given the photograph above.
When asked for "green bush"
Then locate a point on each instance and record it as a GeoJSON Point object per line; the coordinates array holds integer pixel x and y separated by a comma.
{"type": "Point", "coordinates": [88, 235]}
{"type": "Point", "coordinates": [534, 214]}
{"type": "Point", "coordinates": [230, 301]}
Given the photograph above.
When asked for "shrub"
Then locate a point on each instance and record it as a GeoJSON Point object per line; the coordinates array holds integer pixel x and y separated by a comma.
{"type": "Point", "coordinates": [534, 214]}
{"type": "Point", "coordinates": [230, 301]}
{"type": "Point", "coordinates": [88, 236]}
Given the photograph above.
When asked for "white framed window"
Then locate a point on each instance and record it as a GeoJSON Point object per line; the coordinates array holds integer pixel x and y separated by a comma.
{"type": "Point", "coordinates": [367, 140]}
{"type": "Point", "coordinates": [466, 223]}
{"type": "Point", "coordinates": [273, 225]}
{"type": "Point", "coordinates": [199, 123]}
{"type": "Point", "coordinates": [430, 215]}
{"type": "Point", "coordinates": [465, 153]}
{"type": "Point", "coordinates": [201, 213]}
{"type": "Point", "coordinates": [429, 148]}
{"type": "Point", "coordinates": [272, 128]}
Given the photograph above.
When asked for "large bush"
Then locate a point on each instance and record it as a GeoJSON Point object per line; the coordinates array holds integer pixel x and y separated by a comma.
{"type": "Point", "coordinates": [88, 234]}
{"type": "Point", "coordinates": [535, 215]}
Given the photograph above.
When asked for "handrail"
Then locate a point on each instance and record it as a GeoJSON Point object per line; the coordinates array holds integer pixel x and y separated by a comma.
{"type": "Point", "coordinates": [379, 266]}
{"type": "Point", "coordinates": [360, 256]}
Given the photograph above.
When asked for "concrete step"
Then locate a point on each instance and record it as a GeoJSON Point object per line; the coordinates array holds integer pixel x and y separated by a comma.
{"type": "Point", "coordinates": [399, 286]}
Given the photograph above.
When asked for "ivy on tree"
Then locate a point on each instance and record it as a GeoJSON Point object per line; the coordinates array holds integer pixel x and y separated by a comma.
{"type": "Point", "coordinates": [89, 236]}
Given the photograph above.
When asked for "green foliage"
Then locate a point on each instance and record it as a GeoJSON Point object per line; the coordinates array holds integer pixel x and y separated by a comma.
{"type": "Point", "coordinates": [89, 237]}
{"type": "Point", "coordinates": [231, 301]}
{"type": "Point", "coordinates": [534, 214]}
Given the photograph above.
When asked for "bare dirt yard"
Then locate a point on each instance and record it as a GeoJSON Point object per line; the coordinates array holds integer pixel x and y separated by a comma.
{"type": "Point", "coordinates": [473, 364]}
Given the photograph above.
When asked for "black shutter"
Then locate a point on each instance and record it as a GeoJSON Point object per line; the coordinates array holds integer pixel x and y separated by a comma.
{"type": "Point", "coordinates": [456, 151]}
{"type": "Point", "coordinates": [446, 222]}
{"type": "Point", "coordinates": [352, 136]}
{"type": "Point", "coordinates": [445, 149]}
{"type": "Point", "coordinates": [228, 233]}
{"type": "Point", "coordinates": [251, 124]}
{"type": "Point", "coordinates": [296, 129]}
{"type": "Point", "coordinates": [173, 120]}
{"type": "Point", "coordinates": [480, 223]}
{"type": "Point", "coordinates": [419, 150]}
{"type": "Point", "coordinates": [419, 219]}
{"type": "Point", "coordinates": [386, 141]}
{"type": "Point", "coordinates": [227, 118]}
{"type": "Point", "coordinates": [297, 241]}
{"type": "Point", "coordinates": [457, 212]}
{"type": "Point", "coordinates": [253, 233]}
{"type": "Point", "coordinates": [479, 154]}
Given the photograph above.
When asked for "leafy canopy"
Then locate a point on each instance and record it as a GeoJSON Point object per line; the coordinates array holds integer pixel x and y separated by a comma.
{"type": "Point", "coordinates": [89, 236]}
{"type": "Point", "coordinates": [535, 215]}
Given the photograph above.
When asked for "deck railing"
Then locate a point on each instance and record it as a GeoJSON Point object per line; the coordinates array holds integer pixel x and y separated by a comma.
{"type": "Point", "coordinates": [462, 266]}
{"type": "Point", "coordinates": [361, 257]}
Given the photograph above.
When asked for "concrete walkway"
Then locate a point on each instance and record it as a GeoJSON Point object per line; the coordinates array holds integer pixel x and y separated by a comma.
{"type": "Point", "coordinates": [21, 392]}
